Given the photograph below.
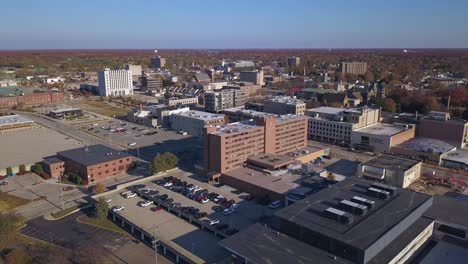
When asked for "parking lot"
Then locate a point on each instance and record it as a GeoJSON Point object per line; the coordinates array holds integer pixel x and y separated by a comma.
{"type": "Point", "coordinates": [189, 230]}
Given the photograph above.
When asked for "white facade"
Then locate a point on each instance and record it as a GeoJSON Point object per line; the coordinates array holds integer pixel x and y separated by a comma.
{"type": "Point", "coordinates": [115, 82]}
{"type": "Point", "coordinates": [135, 69]}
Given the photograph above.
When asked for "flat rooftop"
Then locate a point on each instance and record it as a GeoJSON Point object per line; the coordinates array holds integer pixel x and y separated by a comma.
{"type": "Point", "coordinates": [448, 250]}
{"type": "Point", "coordinates": [326, 110]}
{"type": "Point", "coordinates": [459, 156]}
{"type": "Point", "coordinates": [448, 210]}
{"type": "Point", "coordinates": [382, 129]}
{"type": "Point", "coordinates": [364, 230]}
{"type": "Point", "coordinates": [261, 245]}
{"type": "Point", "coordinates": [286, 100]}
{"type": "Point", "coordinates": [270, 160]}
{"type": "Point", "coordinates": [63, 110]}
{"type": "Point", "coordinates": [13, 119]}
{"type": "Point", "coordinates": [279, 184]}
{"type": "Point", "coordinates": [391, 162]}
{"type": "Point", "coordinates": [236, 127]}
{"type": "Point", "coordinates": [200, 115]}
{"type": "Point", "coordinates": [92, 155]}
{"type": "Point", "coordinates": [426, 145]}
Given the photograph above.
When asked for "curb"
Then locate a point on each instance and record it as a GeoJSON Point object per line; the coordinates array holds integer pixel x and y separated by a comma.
{"type": "Point", "coordinates": [72, 212]}
{"type": "Point", "coordinates": [98, 226]}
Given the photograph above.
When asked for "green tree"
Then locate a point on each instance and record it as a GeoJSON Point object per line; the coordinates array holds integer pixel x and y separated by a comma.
{"type": "Point", "coordinates": [9, 171]}
{"type": "Point", "coordinates": [37, 168]}
{"type": "Point", "coordinates": [22, 168]}
{"type": "Point", "coordinates": [100, 209]}
{"type": "Point", "coordinates": [163, 162]}
{"type": "Point", "coordinates": [387, 105]}
{"type": "Point", "coordinates": [75, 178]}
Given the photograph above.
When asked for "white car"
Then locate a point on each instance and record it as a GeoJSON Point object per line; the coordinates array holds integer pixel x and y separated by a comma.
{"type": "Point", "coordinates": [204, 201]}
{"type": "Point", "coordinates": [214, 222]}
{"type": "Point", "coordinates": [168, 184]}
{"type": "Point", "coordinates": [108, 200]}
{"type": "Point", "coordinates": [145, 203]}
{"type": "Point", "coordinates": [118, 208]}
{"type": "Point", "coordinates": [228, 211]}
{"type": "Point", "coordinates": [275, 204]}
{"type": "Point", "coordinates": [219, 197]}
{"type": "Point", "coordinates": [235, 205]}
{"type": "Point", "coordinates": [130, 195]}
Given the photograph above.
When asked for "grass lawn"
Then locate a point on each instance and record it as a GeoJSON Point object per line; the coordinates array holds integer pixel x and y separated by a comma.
{"type": "Point", "coordinates": [62, 213]}
{"type": "Point", "coordinates": [102, 108]}
{"type": "Point", "coordinates": [105, 223]}
{"type": "Point", "coordinates": [8, 201]}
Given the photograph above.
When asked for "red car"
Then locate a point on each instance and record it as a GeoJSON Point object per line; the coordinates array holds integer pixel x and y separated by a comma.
{"type": "Point", "coordinates": [155, 209]}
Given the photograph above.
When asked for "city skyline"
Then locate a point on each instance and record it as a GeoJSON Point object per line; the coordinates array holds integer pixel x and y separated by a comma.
{"type": "Point", "coordinates": [298, 24]}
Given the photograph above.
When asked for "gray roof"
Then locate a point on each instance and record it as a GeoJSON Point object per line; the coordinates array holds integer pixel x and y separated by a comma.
{"type": "Point", "coordinates": [366, 229]}
{"type": "Point", "coordinates": [391, 162]}
{"type": "Point", "coordinates": [14, 119]}
{"type": "Point", "coordinates": [449, 210]}
{"type": "Point", "coordinates": [261, 245]}
{"type": "Point", "coordinates": [92, 155]}
{"type": "Point", "coordinates": [426, 145]}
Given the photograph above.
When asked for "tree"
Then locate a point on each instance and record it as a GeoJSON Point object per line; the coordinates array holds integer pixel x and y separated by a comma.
{"type": "Point", "coordinates": [9, 171]}
{"type": "Point", "coordinates": [163, 162]}
{"type": "Point", "coordinates": [100, 209]}
{"type": "Point", "coordinates": [37, 168]}
{"type": "Point", "coordinates": [387, 105]}
{"type": "Point", "coordinates": [22, 169]}
{"type": "Point", "coordinates": [75, 178]}
{"type": "Point", "coordinates": [99, 188]}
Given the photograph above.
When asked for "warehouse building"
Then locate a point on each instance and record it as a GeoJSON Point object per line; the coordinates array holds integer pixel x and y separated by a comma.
{"type": "Point", "coordinates": [14, 122]}
{"type": "Point", "coordinates": [396, 171]}
{"type": "Point", "coordinates": [428, 150]}
{"type": "Point", "coordinates": [381, 137]}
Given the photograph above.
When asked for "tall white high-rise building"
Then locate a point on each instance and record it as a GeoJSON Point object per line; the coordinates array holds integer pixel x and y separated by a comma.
{"type": "Point", "coordinates": [115, 82]}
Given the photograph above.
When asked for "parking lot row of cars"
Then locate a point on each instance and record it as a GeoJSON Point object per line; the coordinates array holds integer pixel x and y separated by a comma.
{"type": "Point", "coordinates": [151, 195]}
{"type": "Point", "coordinates": [198, 194]}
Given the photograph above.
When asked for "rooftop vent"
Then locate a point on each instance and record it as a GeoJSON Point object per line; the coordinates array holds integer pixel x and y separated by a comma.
{"type": "Point", "coordinates": [338, 215]}
{"type": "Point", "coordinates": [353, 207]}
{"type": "Point", "coordinates": [363, 201]}
{"type": "Point", "coordinates": [391, 189]}
{"type": "Point", "coordinates": [378, 193]}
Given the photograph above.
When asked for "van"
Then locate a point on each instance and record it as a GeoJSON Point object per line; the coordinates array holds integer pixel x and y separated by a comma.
{"type": "Point", "coordinates": [132, 144]}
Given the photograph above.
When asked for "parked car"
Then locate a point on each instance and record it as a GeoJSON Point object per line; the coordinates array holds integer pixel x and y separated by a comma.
{"type": "Point", "coordinates": [167, 184]}
{"type": "Point", "coordinates": [228, 211]}
{"type": "Point", "coordinates": [145, 203]}
{"type": "Point", "coordinates": [205, 200]}
{"type": "Point", "coordinates": [214, 222]}
{"type": "Point", "coordinates": [275, 204]}
{"type": "Point", "coordinates": [118, 208]}
{"type": "Point", "coordinates": [108, 200]}
{"type": "Point", "coordinates": [156, 208]}
{"type": "Point", "coordinates": [234, 205]}
{"type": "Point", "coordinates": [218, 199]}
{"type": "Point", "coordinates": [130, 195]}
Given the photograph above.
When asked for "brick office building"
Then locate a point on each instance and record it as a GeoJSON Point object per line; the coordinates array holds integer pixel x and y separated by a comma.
{"type": "Point", "coordinates": [54, 166]}
{"type": "Point", "coordinates": [33, 99]}
{"type": "Point", "coordinates": [95, 162]}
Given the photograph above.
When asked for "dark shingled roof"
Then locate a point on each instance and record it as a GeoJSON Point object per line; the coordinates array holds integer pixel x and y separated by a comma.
{"type": "Point", "coordinates": [261, 245]}
{"type": "Point", "coordinates": [92, 155]}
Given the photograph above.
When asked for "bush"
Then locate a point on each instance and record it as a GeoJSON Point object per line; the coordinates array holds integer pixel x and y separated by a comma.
{"type": "Point", "coordinates": [75, 178]}
{"type": "Point", "coordinates": [22, 169]}
{"type": "Point", "coordinates": [9, 171]}
{"type": "Point", "coordinates": [163, 162]}
{"type": "Point", "coordinates": [37, 168]}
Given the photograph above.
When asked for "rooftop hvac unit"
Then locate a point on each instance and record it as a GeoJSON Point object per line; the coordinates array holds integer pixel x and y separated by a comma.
{"type": "Point", "coordinates": [378, 193]}
{"type": "Point", "coordinates": [338, 215]}
{"type": "Point", "coordinates": [391, 189]}
{"type": "Point", "coordinates": [352, 207]}
{"type": "Point", "coordinates": [366, 202]}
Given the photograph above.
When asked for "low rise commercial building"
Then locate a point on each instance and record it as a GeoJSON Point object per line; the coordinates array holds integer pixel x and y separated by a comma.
{"type": "Point", "coordinates": [54, 166]}
{"type": "Point", "coordinates": [439, 125]}
{"type": "Point", "coordinates": [194, 122]}
{"type": "Point", "coordinates": [152, 85]}
{"type": "Point", "coordinates": [381, 137]}
{"type": "Point", "coordinates": [142, 117]}
{"type": "Point", "coordinates": [282, 105]}
{"type": "Point", "coordinates": [255, 77]}
{"type": "Point", "coordinates": [32, 99]}
{"type": "Point", "coordinates": [456, 160]}
{"type": "Point", "coordinates": [163, 113]}
{"type": "Point", "coordinates": [175, 101]}
{"type": "Point", "coordinates": [335, 125]}
{"type": "Point", "coordinates": [393, 170]}
{"type": "Point", "coordinates": [428, 150]}
{"type": "Point", "coordinates": [250, 89]}
{"type": "Point", "coordinates": [93, 163]}
{"type": "Point", "coordinates": [66, 113]}
{"type": "Point", "coordinates": [14, 122]}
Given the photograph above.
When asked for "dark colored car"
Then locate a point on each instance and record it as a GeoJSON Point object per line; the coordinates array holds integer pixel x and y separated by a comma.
{"type": "Point", "coordinates": [222, 226]}
{"type": "Point", "coordinates": [153, 192]}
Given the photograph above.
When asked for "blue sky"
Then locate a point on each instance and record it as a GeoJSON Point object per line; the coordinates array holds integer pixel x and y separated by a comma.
{"type": "Point", "coordinates": [157, 24]}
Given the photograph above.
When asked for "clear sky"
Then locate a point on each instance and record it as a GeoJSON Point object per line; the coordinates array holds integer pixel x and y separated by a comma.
{"type": "Point", "coordinates": [160, 24]}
